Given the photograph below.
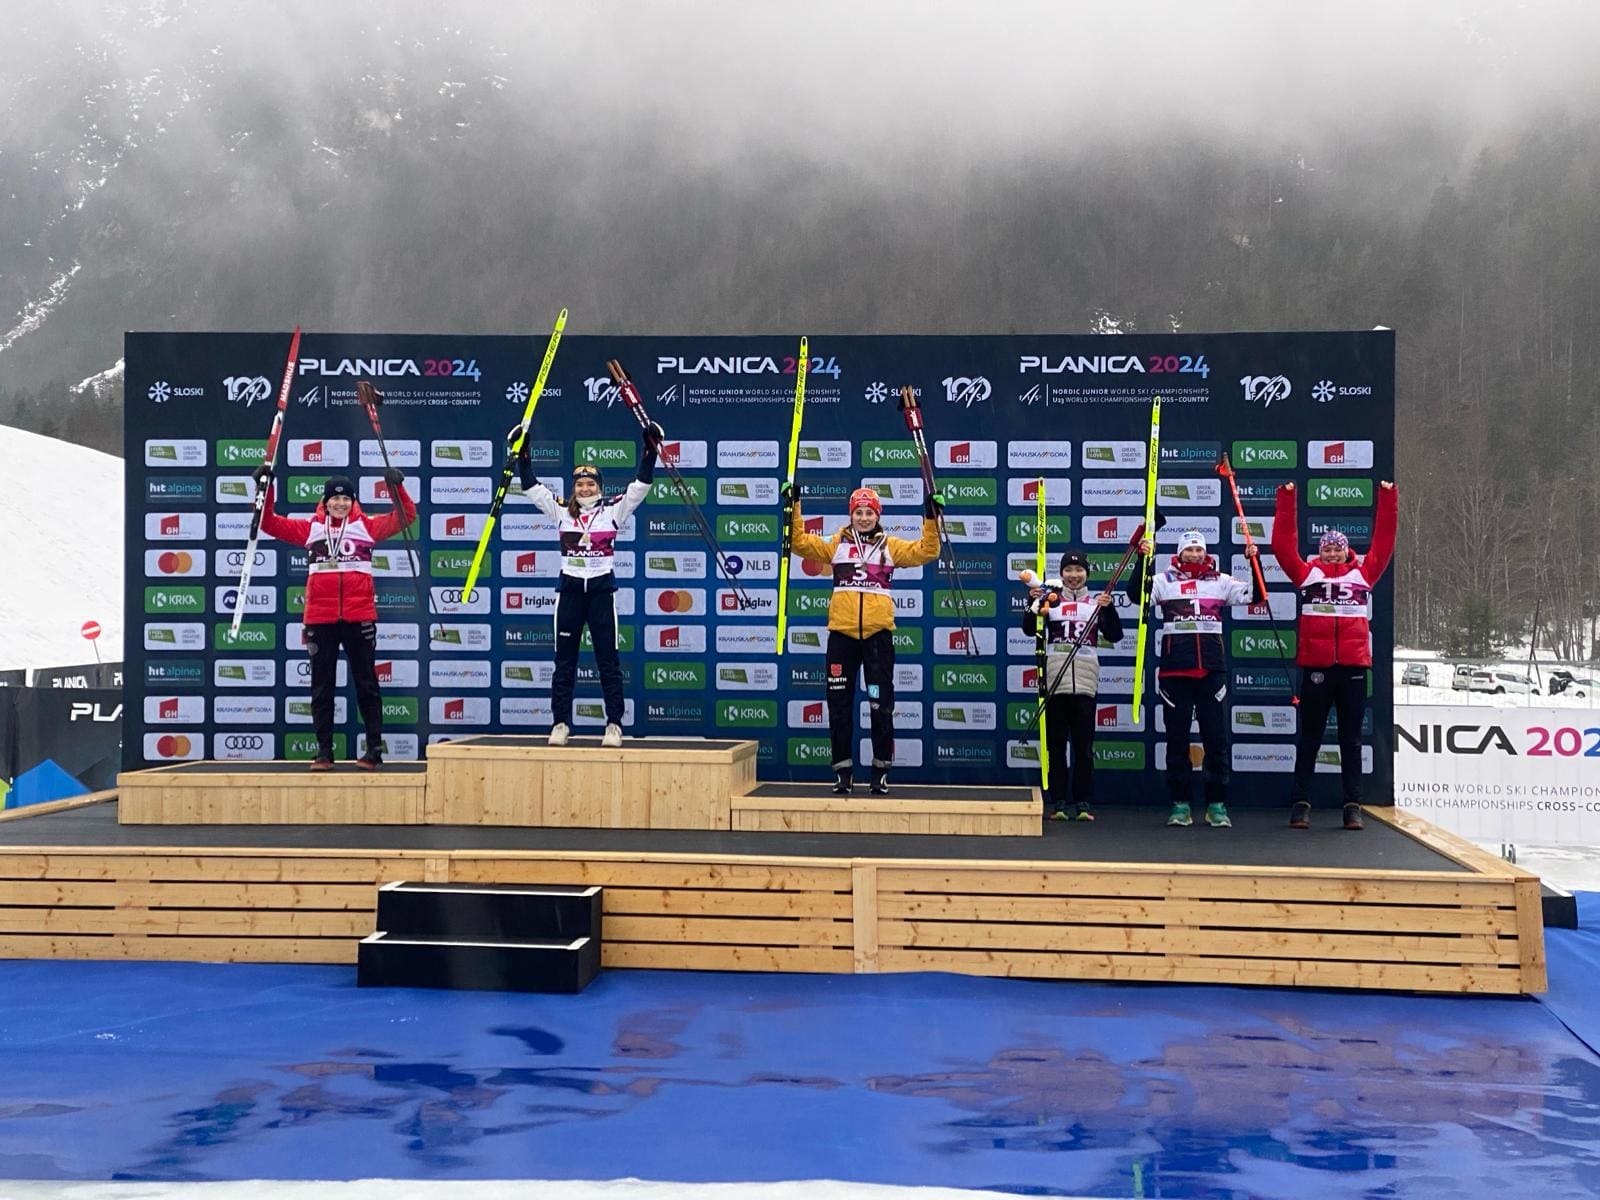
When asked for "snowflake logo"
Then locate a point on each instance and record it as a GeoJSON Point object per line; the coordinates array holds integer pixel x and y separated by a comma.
{"type": "Point", "coordinates": [517, 393]}
{"type": "Point", "coordinates": [159, 392]}
{"type": "Point", "coordinates": [1323, 392]}
{"type": "Point", "coordinates": [877, 393]}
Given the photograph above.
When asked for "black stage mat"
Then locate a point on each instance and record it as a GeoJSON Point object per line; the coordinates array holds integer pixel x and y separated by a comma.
{"type": "Point", "coordinates": [1259, 838]}
{"type": "Point", "coordinates": [911, 791]}
{"type": "Point", "coordinates": [244, 766]}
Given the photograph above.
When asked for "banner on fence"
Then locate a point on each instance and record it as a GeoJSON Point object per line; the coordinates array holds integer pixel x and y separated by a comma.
{"type": "Point", "coordinates": [1518, 775]}
{"type": "Point", "coordinates": [57, 743]}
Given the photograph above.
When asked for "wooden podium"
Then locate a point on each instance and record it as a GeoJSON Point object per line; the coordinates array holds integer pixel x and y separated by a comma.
{"type": "Point", "coordinates": [650, 783]}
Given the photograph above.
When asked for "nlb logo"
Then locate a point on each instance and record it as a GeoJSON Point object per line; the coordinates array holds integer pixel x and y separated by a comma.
{"type": "Point", "coordinates": [1080, 364]}
{"type": "Point", "coordinates": [1265, 389]}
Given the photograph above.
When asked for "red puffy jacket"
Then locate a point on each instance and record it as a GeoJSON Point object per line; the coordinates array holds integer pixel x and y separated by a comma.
{"type": "Point", "coordinates": [1335, 598]}
{"type": "Point", "coordinates": [339, 579]}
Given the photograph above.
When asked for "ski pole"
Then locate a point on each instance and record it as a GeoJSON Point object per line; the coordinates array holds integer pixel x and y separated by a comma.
{"type": "Point", "coordinates": [785, 535]}
{"type": "Point", "coordinates": [510, 468]}
{"type": "Point", "coordinates": [370, 398]}
{"type": "Point", "coordinates": [912, 412]}
{"type": "Point", "coordinates": [635, 403]}
{"type": "Point", "coordinates": [269, 459]}
{"type": "Point", "coordinates": [1225, 469]}
{"type": "Point", "coordinates": [1150, 524]}
{"type": "Point", "coordinates": [1040, 648]}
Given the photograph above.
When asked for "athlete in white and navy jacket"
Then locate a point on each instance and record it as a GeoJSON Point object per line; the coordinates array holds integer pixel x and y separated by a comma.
{"type": "Point", "coordinates": [588, 524]}
{"type": "Point", "coordinates": [1192, 596]}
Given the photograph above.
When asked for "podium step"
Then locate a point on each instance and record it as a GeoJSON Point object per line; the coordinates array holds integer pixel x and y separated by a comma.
{"type": "Point", "coordinates": [483, 966]}
{"type": "Point", "coordinates": [913, 808]}
{"type": "Point", "coordinates": [486, 912]}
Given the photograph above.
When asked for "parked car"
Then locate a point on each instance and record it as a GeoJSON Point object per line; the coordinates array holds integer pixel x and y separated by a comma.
{"type": "Point", "coordinates": [1503, 682]}
{"type": "Point", "coordinates": [1565, 683]}
{"type": "Point", "coordinates": [1461, 681]}
{"type": "Point", "coordinates": [1415, 673]}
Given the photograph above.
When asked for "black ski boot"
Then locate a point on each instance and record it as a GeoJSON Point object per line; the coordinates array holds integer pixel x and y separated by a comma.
{"type": "Point", "coordinates": [880, 780]}
{"type": "Point", "coordinates": [842, 781]}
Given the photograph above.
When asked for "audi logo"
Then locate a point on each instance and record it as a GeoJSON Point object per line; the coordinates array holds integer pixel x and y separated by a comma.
{"type": "Point", "coordinates": [245, 741]}
{"type": "Point", "coordinates": [451, 595]}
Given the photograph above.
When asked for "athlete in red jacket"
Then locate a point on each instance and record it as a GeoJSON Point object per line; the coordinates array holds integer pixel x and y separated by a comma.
{"type": "Point", "coordinates": [1335, 642]}
{"type": "Point", "coordinates": [340, 605]}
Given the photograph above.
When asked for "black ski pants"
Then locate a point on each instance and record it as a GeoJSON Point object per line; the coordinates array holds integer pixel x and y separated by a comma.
{"type": "Point", "coordinates": [591, 602]}
{"type": "Point", "coordinates": [873, 657]}
{"type": "Point", "coordinates": [1184, 699]}
{"type": "Point", "coordinates": [360, 642]}
{"type": "Point", "coordinates": [1069, 719]}
{"type": "Point", "coordinates": [1343, 690]}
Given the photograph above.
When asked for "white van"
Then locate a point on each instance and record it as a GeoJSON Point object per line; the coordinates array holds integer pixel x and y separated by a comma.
{"type": "Point", "coordinates": [1461, 681]}
{"type": "Point", "coordinates": [1503, 682]}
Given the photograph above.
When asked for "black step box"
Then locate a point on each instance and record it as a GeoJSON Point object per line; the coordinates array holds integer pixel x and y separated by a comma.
{"type": "Point", "coordinates": [489, 912]}
{"type": "Point", "coordinates": [390, 960]}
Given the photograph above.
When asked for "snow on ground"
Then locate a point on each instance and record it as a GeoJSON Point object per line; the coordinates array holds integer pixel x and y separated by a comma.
{"type": "Point", "coordinates": [60, 551]}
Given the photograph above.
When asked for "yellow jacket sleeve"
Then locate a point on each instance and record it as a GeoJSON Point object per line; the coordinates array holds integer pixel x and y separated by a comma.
{"type": "Point", "coordinates": [808, 545]}
{"type": "Point", "coordinates": [914, 554]}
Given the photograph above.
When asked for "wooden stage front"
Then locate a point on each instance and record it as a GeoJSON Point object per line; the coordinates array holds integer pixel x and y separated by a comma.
{"type": "Point", "coordinates": [1403, 905]}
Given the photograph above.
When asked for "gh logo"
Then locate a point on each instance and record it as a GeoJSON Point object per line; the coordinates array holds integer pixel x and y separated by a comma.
{"type": "Point", "coordinates": [248, 388]}
{"type": "Point", "coordinates": [1265, 388]}
{"type": "Point", "coordinates": [966, 390]}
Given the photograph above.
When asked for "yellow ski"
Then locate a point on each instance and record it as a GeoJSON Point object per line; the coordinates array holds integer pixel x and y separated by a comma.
{"type": "Point", "coordinates": [1149, 571]}
{"type": "Point", "coordinates": [789, 490]}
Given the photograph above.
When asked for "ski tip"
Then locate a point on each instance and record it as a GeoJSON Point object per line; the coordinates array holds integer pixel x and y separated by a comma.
{"type": "Point", "coordinates": [561, 318]}
{"type": "Point", "coordinates": [805, 345]}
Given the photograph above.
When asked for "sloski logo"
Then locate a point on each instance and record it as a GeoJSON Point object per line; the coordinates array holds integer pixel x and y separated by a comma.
{"type": "Point", "coordinates": [1265, 389]}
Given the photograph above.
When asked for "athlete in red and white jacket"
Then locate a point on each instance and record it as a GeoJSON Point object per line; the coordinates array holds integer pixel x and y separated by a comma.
{"type": "Point", "coordinates": [341, 609]}
{"type": "Point", "coordinates": [1335, 641]}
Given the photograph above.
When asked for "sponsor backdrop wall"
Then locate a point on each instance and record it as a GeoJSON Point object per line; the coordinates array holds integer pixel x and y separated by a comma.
{"type": "Point", "coordinates": [1001, 413]}
{"type": "Point", "coordinates": [1518, 775]}
{"type": "Point", "coordinates": [56, 743]}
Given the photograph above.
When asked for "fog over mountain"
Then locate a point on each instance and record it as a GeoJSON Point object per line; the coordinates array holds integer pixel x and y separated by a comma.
{"type": "Point", "coordinates": [931, 167]}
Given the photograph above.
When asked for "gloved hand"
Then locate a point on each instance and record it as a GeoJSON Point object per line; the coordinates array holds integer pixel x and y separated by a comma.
{"type": "Point", "coordinates": [394, 476]}
{"type": "Point", "coordinates": [933, 505]}
{"type": "Point", "coordinates": [262, 475]}
{"type": "Point", "coordinates": [512, 435]}
{"type": "Point", "coordinates": [789, 494]}
{"type": "Point", "coordinates": [653, 436]}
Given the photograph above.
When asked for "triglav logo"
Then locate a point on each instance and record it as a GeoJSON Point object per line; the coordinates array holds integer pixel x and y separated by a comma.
{"type": "Point", "coordinates": [602, 391]}
{"type": "Point", "coordinates": [246, 389]}
{"type": "Point", "coordinates": [1265, 389]}
{"type": "Point", "coordinates": [966, 390]}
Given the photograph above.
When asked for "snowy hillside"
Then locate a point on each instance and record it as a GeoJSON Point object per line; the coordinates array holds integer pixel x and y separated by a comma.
{"type": "Point", "coordinates": [61, 550]}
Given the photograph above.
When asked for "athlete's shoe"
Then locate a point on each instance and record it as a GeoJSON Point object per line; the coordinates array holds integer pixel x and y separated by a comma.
{"type": "Point", "coordinates": [1300, 815]}
{"type": "Point", "coordinates": [1059, 814]}
{"type": "Point", "coordinates": [1352, 817]}
{"type": "Point", "coordinates": [370, 761]}
{"type": "Point", "coordinates": [843, 781]}
{"type": "Point", "coordinates": [322, 762]}
{"type": "Point", "coordinates": [1180, 814]}
{"type": "Point", "coordinates": [559, 734]}
{"type": "Point", "coordinates": [880, 781]}
{"type": "Point", "coordinates": [1083, 813]}
{"type": "Point", "coordinates": [612, 737]}
{"type": "Point", "coordinates": [1217, 815]}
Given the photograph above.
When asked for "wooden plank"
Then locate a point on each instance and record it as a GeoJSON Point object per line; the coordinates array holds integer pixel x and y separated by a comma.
{"type": "Point", "coordinates": [690, 902]}
{"type": "Point", "coordinates": [223, 894]}
{"type": "Point", "coordinates": [637, 750]}
{"type": "Point", "coordinates": [1185, 969]}
{"type": "Point", "coordinates": [1442, 841]}
{"type": "Point", "coordinates": [198, 922]}
{"type": "Point", "coordinates": [1530, 935]}
{"type": "Point", "coordinates": [864, 918]}
{"type": "Point", "coordinates": [755, 931]}
{"type": "Point", "coordinates": [55, 806]}
{"type": "Point", "coordinates": [1200, 884]}
{"type": "Point", "coordinates": [635, 873]}
{"type": "Point", "coordinates": [266, 866]}
{"type": "Point", "coordinates": [1199, 913]}
{"type": "Point", "coordinates": [1237, 943]}
{"type": "Point", "coordinates": [182, 949]}
{"type": "Point", "coordinates": [724, 958]}
{"type": "Point", "coordinates": [884, 804]}
{"type": "Point", "coordinates": [870, 821]}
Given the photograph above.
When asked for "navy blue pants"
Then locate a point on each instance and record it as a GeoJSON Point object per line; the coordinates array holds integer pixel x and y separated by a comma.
{"type": "Point", "coordinates": [593, 603]}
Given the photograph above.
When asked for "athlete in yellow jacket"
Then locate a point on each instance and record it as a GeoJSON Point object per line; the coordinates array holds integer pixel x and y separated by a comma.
{"type": "Point", "coordinates": [861, 623]}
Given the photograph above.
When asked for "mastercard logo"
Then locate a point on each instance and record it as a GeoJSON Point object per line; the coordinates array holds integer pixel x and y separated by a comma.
{"type": "Point", "coordinates": [173, 745]}
{"type": "Point", "coordinates": [175, 562]}
{"type": "Point", "coordinates": [675, 601]}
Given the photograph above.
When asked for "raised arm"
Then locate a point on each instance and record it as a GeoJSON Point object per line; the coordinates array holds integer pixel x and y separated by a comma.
{"type": "Point", "coordinates": [1286, 537]}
